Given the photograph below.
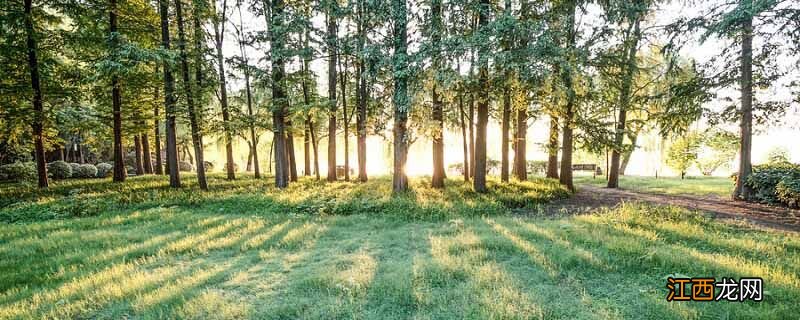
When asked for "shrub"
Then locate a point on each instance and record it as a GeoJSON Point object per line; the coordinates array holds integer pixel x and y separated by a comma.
{"type": "Point", "coordinates": [18, 171]}
{"type": "Point", "coordinates": [765, 179]}
{"type": "Point", "coordinates": [788, 192]}
{"type": "Point", "coordinates": [185, 166]}
{"type": "Point", "coordinates": [59, 170]}
{"type": "Point", "coordinates": [74, 167]}
{"type": "Point", "coordinates": [86, 171]}
{"type": "Point", "coordinates": [105, 170]}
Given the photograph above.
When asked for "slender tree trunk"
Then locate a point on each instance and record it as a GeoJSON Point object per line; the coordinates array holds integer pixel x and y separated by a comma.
{"type": "Point", "coordinates": [315, 146]}
{"type": "Point", "coordinates": [401, 100]}
{"type": "Point", "coordinates": [38, 105]}
{"type": "Point", "coordinates": [505, 127]}
{"type": "Point", "coordinates": [138, 157]}
{"type": "Point", "coordinates": [116, 102]}
{"type": "Point", "coordinates": [249, 94]}
{"type": "Point", "coordinates": [290, 151]}
{"type": "Point", "coordinates": [345, 119]}
{"type": "Point", "coordinates": [361, 102]}
{"type": "Point", "coordinates": [552, 149]}
{"type": "Point", "coordinates": [624, 102]}
{"type": "Point", "coordinates": [249, 157]}
{"type": "Point", "coordinates": [465, 143]}
{"type": "Point", "coordinates": [332, 43]}
{"type": "Point", "coordinates": [159, 167]}
{"type": "Point", "coordinates": [520, 159]}
{"type": "Point", "coordinates": [306, 149]}
{"type": "Point", "coordinates": [437, 180]}
{"type": "Point", "coordinates": [148, 160]}
{"type": "Point", "coordinates": [279, 98]}
{"type": "Point", "coordinates": [169, 102]}
{"type": "Point", "coordinates": [471, 135]}
{"type": "Point", "coordinates": [479, 182]}
{"type": "Point", "coordinates": [742, 191]}
{"type": "Point", "coordinates": [197, 139]}
{"type": "Point", "coordinates": [219, 34]}
{"type": "Point", "coordinates": [569, 109]}
{"type": "Point", "coordinates": [627, 155]}
{"type": "Point", "coordinates": [80, 154]}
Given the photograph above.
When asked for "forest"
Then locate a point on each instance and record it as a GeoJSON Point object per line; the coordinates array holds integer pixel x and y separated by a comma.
{"type": "Point", "coordinates": [173, 147]}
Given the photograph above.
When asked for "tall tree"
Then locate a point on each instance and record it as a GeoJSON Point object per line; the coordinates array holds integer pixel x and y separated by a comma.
{"type": "Point", "coordinates": [361, 97]}
{"type": "Point", "coordinates": [279, 98]}
{"type": "Point", "coordinates": [400, 99]}
{"type": "Point", "coordinates": [566, 75]}
{"type": "Point", "coordinates": [219, 35]}
{"type": "Point", "coordinates": [249, 95]}
{"type": "Point", "coordinates": [332, 43]}
{"type": "Point", "coordinates": [169, 101]}
{"type": "Point", "coordinates": [197, 141]}
{"type": "Point", "coordinates": [552, 149]}
{"type": "Point", "coordinates": [437, 27]}
{"type": "Point", "coordinates": [38, 106]}
{"type": "Point", "coordinates": [479, 182]}
{"type": "Point", "coordinates": [116, 98]}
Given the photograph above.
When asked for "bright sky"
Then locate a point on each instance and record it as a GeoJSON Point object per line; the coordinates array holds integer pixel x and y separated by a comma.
{"type": "Point", "coordinates": [642, 163]}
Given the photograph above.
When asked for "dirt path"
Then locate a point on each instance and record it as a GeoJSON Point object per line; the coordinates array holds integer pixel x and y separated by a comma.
{"type": "Point", "coordinates": [590, 198]}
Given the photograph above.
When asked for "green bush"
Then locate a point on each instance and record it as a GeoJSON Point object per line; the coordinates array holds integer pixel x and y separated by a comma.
{"type": "Point", "coordinates": [18, 171]}
{"type": "Point", "coordinates": [86, 171]}
{"type": "Point", "coordinates": [59, 170]}
{"type": "Point", "coordinates": [788, 192]}
{"type": "Point", "coordinates": [185, 166]}
{"type": "Point", "coordinates": [74, 167]}
{"type": "Point", "coordinates": [105, 170]}
{"type": "Point", "coordinates": [765, 180]}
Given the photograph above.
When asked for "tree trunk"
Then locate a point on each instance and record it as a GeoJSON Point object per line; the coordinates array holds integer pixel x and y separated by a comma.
{"type": "Point", "coordinates": [479, 182]}
{"type": "Point", "coordinates": [569, 110]}
{"type": "Point", "coordinates": [505, 127]}
{"type": "Point", "coordinates": [552, 149]}
{"type": "Point", "coordinates": [38, 105]}
{"type": "Point", "coordinates": [437, 180]}
{"type": "Point", "coordinates": [471, 135]}
{"type": "Point", "coordinates": [400, 99]}
{"type": "Point", "coordinates": [741, 191]}
{"type": "Point", "coordinates": [249, 166]}
{"type": "Point", "coordinates": [249, 94]}
{"type": "Point", "coordinates": [116, 101]}
{"type": "Point", "coordinates": [219, 34]}
{"type": "Point", "coordinates": [332, 43]}
{"type": "Point", "coordinates": [148, 160]}
{"type": "Point", "coordinates": [465, 143]}
{"type": "Point", "coordinates": [627, 156]}
{"type": "Point", "coordinates": [345, 119]}
{"type": "Point", "coordinates": [520, 149]}
{"type": "Point", "coordinates": [279, 98]}
{"type": "Point", "coordinates": [159, 167]}
{"type": "Point", "coordinates": [290, 151]}
{"type": "Point", "coordinates": [197, 139]}
{"type": "Point", "coordinates": [315, 147]}
{"type": "Point", "coordinates": [624, 102]}
{"type": "Point", "coordinates": [169, 102]}
{"type": "Point", "coordinates": [306, 150]}
{"type": "Point", "coordinates": [361, 103]}
{"type": "Point", "coordinates": [138, 157]}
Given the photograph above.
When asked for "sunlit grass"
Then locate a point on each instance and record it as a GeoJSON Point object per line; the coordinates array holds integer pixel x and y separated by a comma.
{"type": "Point", "coordinates": [698, 186]}
{"type": "Point", "coordinates": [209, 260]}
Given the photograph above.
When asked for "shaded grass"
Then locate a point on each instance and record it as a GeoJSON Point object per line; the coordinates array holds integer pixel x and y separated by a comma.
{"type": "Point", "coordinates": [210, 260]}
{"type": "Point", "coordinates": [697, 186]}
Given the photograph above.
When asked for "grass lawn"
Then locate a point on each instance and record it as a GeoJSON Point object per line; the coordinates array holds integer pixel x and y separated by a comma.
{"type": "Point", "coordinates": [343, 250]}
{"type": "Point", "coordinates": [698, 186]}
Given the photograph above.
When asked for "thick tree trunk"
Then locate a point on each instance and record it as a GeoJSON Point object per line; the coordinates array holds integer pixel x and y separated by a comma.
{"type": "Point", "coordinates": [197, 139]}
{"type": "Point", "coordinates": [741, 191]}
{"type": "Point", "coordinates": [624, 102]}
{"type": "Point", "coordinates": [146, 156]}
{"type": "Point", "coordinates": [219, 33]}
{"type": "Point", "coordinates": [479, 182]}
{"type": "Point", "coordinates": [552, 149]}
{"type": "Point", "coordinates": [465, 143]}
{"type": "Point", "coordinates": [569, 109]}
{"type": "Point", "coordinates": [116, 103]}
{"type": "Point", "coordinates": [520, 149]}
{"type": "Point", "coordinates": [169, 102]}
{"type": "Point", "coordinates": [626, 157]}
{"type": "Point", "coordinates": [437, 180]}
{"type": "Point", "coordinates": [505, 127]}
{"type": "Point", "coordinates": [279, 98]}
{"type": "Point", "coordinates": [138, 157]}
{"type": "Point", "coordinates": [38, 105]}
{"type": "Point", "coordinates": [361, 104]}
{"type": "Point", "coordinates": [332, 43]}
{"type": "Point", "coordinates": [401, 100]}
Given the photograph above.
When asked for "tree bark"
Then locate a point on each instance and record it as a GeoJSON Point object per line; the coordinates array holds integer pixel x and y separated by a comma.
{"type": "Point", "coordinates": [38, 105]}
{"type": "Point", "coordinates": [624, 103]}
{"type": "Point", "coordinates": [346, 120]}
{"type": "Point", "coordinates": [471, 135]}
{"type": "Point", "coordinates": [279, 98]}
{"type": "Point", "coordinates": [626, 157]}
{"type": "Point", "coordinates": [315, 146]}
{"type": "Point", "coordinates": [332, 43]}
{"type": "Point", "coordinates": [159, 167]}
{"type": "Point", "coordinates": [465, 143]}
{"type": "Point", "coordinates": [741, 191]}
{"type": "Point", "coordinates": [552, 149]}
{"type": "Point", "coordinates": [219, 34]}
{"type": "Point", "coordinates": [290, 151]}
{"type": "Point", "coordinates": [169, 102]}
{"type": "Point", "coordinates": [437, 180]}
{"type": "Point", "coordinates": [197, 139]}
{"type": "Point", "coordinates": [569, 110]}
{"type": "Point", "coordinates": [361, 102]}
{"type": "Point", "coordinates": [479, 182]}
{"type": "Point", "coordinates": [148, 160]}
{"type": "Point", "coordinates": [401, 100]}
{"type": "Point", "coordinates": [520, 149]}
{"type": "Point", "coordinates": [505, 127]}
{"type": "Point", "coordinates": [138, 157]}
{"type": "Point", "coordinates": [116, 101]}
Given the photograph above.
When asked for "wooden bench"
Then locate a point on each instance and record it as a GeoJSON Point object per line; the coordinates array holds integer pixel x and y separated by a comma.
{"type": "Point", "coordinates": [587, 167]}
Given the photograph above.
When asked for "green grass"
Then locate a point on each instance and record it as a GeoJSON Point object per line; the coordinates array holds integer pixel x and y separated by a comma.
{"type": "Point", "coordinates": [698, 186]}
{"type": "Point", "coordinates": [234, 253]}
